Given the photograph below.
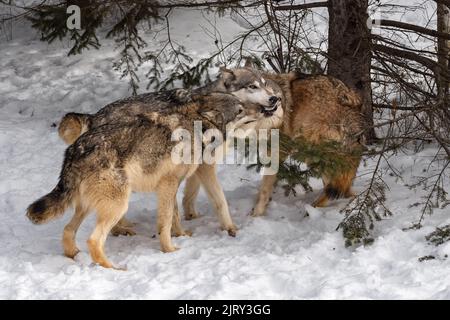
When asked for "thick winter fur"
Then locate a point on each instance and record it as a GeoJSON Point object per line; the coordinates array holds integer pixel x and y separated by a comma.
{"type": "Point", "coordinates": [319, 108]}
{"type": "Point", "coordinates": [108, 162]}
{"type": "Point", "coordinates": [73, 125]}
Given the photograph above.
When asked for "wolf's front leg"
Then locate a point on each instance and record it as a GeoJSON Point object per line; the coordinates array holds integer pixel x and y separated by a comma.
{"type": "Point", "coordinates": [265, 192]}
{"type": "Point", "coordinates": [190, 195]}
{"type": "Point", "coordinates": [208, 178]}
{"type": "Point", "coordinates": [177, 228]}
{"type": "Point", "coordinates": [167, 191]}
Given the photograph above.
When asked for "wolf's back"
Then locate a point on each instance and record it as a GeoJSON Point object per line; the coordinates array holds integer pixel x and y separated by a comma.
{"type": "Point", "coordinates": [74, 125]}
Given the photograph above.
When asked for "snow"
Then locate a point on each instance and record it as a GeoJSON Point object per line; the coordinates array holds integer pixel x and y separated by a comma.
{"type": "Point", "coordinates": [294, 252]}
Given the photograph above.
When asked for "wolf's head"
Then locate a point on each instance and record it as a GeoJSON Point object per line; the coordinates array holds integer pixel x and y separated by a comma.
{"type": "Point", "coordinates": [226, 111]}
{"type": "Point", "coordinates": [247, 85]}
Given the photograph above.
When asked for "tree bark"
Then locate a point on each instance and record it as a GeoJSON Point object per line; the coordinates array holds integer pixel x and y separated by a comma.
{"type": "Point", "coordinates": [349, 52]}
{"type": "Point", "coordinates": [443, 26]}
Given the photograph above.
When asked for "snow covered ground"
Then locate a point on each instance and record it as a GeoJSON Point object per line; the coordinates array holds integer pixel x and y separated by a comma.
{"type": "Point", "coordinates": [285, 255]}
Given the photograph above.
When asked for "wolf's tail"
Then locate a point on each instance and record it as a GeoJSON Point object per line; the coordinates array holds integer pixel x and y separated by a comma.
{"type": "Point", "coordinates": [50, 206]}
{"type": "Point", "coordinates": [339, 185]}
{"type": "Point", "coordinates": [74, 125]}
{"type": "Point", "coordinates": [60, 198]}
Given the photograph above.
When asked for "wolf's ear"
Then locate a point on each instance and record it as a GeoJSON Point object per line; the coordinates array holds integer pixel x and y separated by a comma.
{"type": "Point", "coordinates": [249, 63]}
{"type": "Point", "coordinates": [227, 76]}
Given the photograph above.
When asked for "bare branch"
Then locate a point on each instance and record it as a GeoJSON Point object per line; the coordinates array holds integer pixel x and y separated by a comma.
{"type": "Point", "coordinates": [429, 63]}
{"type": "Point", "coordinates": [415, 28]}
{"type": "Point", "coordinates": [205, 4]}
{"type": "Point", "coordinates": [323, 4]}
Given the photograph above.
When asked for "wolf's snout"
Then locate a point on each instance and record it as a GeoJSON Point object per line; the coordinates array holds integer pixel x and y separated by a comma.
{"type": "Point", "coordinates": [273, 100]}
{"type": "Point", "coordinates": [269, 111]}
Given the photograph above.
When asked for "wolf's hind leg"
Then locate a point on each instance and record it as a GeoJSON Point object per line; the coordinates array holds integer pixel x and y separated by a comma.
{"type": "Point", "coordinates": [109, 212]}
{"type": "Point", "coordinates": [70, 231]}
{"type": "Point", "coordinates": [191, 190]}
{"type": "Point", "coordinates": [265, 192]}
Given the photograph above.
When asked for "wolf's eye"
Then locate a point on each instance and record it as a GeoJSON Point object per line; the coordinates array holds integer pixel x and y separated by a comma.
{"type": "Point", "coordinates": [252, 86]}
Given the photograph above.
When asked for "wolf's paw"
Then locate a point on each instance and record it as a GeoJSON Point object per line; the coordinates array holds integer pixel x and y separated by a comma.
{"type": "Point", "coordinates": [256, 212]}
{"type": "Point", "coordinates": [122, 231]}
{"type": "Point", "coordinates": [191, 215]}
{"type": "Point", "coordinates": [232, 231]}
{"type": "Point", "coordinates": [168, 249]}
{"type": "Point", "coordinates": [71, 253]}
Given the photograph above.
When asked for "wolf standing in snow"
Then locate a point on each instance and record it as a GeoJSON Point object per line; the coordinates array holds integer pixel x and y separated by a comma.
{"type": "Point", "coordinates": [319, 109]}
{"type": "Point", "coordinates": [246, 84]}
{"type": "Point", "coordinates": [106, 163]}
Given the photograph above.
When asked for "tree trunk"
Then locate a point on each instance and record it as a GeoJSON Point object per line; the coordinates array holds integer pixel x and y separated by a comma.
{"type": "Point", "coordinates": [349, 54]}
{"type": "Point", "coordinates": [443, 25]}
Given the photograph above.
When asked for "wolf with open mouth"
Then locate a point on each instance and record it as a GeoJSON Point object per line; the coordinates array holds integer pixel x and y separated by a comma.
{"type": "Point", "coordinates": [106, 163]}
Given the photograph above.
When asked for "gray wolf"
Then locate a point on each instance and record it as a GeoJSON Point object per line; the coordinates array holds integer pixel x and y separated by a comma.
{"type": "Point", "coordinates": [105, 164]}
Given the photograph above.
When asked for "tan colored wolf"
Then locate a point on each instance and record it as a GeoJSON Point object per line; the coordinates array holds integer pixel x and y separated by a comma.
{"type": "Point", "coordinates": [319, 108]}
{"type": "Point", "coordinates": [106, 163]}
